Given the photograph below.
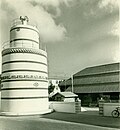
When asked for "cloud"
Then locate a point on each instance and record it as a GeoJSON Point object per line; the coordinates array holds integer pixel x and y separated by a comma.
{"type": "Point", "coordinates": [116, 56]}
{"type": "Point", "coordinates": [100, 10]}
{"type": "Point", "coordinates": [111, 5]}
{"type": "Point", "coordinates": [38, 13]}
{"type": "Point", "coordinates": [108, 4]}
{"type": "Point", "coordinates": [100, 7]}
{"type": "Point", "coordinates": [115, 29]}
{"type": "Point", "coordinates": [54, 3]}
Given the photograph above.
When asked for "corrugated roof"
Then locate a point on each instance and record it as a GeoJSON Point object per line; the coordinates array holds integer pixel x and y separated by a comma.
{"type": "Point", "coordinates": [96, 88]}
{"type": "Point", "coordinates": [107, 68]}
{"type": "Point", "coordinates": [98, 79]}
{"type": "Point", "coordinates": [98, 74]}
{"type": "Point", "coordinates": [93, 79]}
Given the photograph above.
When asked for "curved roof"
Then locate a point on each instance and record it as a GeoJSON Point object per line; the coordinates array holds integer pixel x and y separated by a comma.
{"type": "Point", "coordinates": [97, 79]}
{"type": "Point", "coordinates": [101, 69]}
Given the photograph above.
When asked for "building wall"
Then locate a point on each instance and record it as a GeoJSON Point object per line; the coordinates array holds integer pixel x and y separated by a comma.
{"type": "Point", "coordinates": [68, 107]}
{"type": "Point", "coordinates": [109, 107]}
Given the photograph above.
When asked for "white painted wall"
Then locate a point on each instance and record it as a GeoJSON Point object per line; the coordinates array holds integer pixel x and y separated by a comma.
{"type": "Point", "coordinates": [109, 107]}
{"type": "Point", "coordinates": [68, 107]}
{"type": "Point", "coordinates": [0, 101]}
{"type": "Point", "coordinates": [25, 56]}
{"type": "Point", "coordinates": [25, 84]}
{"type": "Point", "coordinates": [24, 33]}
{"type": "Point", "coordinates": [21, 106]}
{"type": "Point", "coordinates": [69, 99]}
{"type": "Point", "coordinates": [25, 93]}
{"type": "Point", "coordinates": [24, 65]}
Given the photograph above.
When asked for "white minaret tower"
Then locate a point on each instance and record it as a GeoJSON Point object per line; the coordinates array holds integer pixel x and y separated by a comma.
{"type": "Point", "coordinates": [24, 72]}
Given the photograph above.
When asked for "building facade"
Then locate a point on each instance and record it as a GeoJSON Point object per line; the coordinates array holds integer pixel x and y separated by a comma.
{"type": "Point", "coordinates": [24, 79]}
{"type": "Point", "coordinates": [93, 83]}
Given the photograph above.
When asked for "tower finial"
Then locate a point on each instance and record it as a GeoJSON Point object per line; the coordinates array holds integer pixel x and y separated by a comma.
{"type": "Point", "coordinates": [24, 20]}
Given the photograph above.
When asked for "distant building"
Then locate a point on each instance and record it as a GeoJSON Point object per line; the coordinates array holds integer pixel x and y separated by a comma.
{"type": "Point", "coordinates": [64, 96]}
{"type": "Point", "coordinates": [56, 89]}
{"type": "Point", "coordinates": [65, 102]}
{"type": "Point", "coordinates": [54, 82]}
{"type": "Point", "coordinates": [92, 83]}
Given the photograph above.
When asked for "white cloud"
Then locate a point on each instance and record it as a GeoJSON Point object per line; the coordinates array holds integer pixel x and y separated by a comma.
{"type": "Point", "coordinates": [54, 3]}
{"type": "Point", "coordinates": [116, 29]}
{"type": "Point", "coordinates": [37, 12]}
{"type": "Point", "coordinates": [116, 57]}
{"type": "Point", "coordinates": [111, 4]}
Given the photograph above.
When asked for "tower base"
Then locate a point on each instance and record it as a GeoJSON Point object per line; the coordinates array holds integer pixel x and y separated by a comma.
{"type": "Point", "coordinates": [26, 113]}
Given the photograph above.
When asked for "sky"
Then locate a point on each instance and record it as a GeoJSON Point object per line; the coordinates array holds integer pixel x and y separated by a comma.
{"type": "Point", "coordinates": [77, 33]}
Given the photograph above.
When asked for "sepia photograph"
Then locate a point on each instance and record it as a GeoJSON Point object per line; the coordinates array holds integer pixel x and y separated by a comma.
{"type": "Point", "coordinates": [59, 65]}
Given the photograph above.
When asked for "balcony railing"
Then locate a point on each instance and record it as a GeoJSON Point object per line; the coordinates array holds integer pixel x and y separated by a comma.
{"type": "Point", "coordinates": [18, 22]}
{"type": "Point", "coordinates": [23, 44]}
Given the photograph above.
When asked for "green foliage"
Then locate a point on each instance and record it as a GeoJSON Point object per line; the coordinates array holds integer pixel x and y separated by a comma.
{"type": "Point", "coordinates": [51, 88]}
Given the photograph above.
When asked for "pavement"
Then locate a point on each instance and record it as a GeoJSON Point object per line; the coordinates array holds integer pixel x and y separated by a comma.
{"type": "Point", "coordinates": [86, 120]}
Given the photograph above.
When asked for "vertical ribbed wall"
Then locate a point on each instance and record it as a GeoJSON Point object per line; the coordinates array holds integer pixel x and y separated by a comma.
{"type": "Point", "coordinates": [24, 73]}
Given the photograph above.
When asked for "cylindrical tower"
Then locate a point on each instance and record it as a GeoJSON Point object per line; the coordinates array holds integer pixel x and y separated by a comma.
{"type": "Point", "coordinates": [24, 72]}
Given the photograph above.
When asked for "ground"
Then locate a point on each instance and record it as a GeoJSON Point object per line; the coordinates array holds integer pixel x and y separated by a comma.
{"type": "Point", "coordinates": [88, 120]}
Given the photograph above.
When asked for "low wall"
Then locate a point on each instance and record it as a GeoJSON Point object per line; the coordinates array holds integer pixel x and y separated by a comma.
{"type": "Point", "coordinates": [109, 107]}
{"type": "Point", "coordinates": [69, 107]}
{"type": "Point", "coordinates": [0, 101]}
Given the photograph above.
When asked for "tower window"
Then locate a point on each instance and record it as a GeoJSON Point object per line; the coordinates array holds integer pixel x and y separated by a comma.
{"type": "Point", "coordinates": [18, 29]}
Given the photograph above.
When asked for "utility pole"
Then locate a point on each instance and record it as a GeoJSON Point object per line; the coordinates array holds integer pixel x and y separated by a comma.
{"type": "Point", "coordinates": [72, 83]}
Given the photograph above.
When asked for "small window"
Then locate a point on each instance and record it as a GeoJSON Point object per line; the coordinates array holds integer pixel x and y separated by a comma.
{"type": "Point", "coordinates": [18, 29]}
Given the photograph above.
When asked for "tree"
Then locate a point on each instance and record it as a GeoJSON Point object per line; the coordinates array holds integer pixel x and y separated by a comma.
{"type": "Point", "coordinates": [50, 88]}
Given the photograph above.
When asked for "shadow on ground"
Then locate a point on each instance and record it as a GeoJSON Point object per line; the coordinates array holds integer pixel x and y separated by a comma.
{"type": "Point", "coordinates": [87, 117]}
